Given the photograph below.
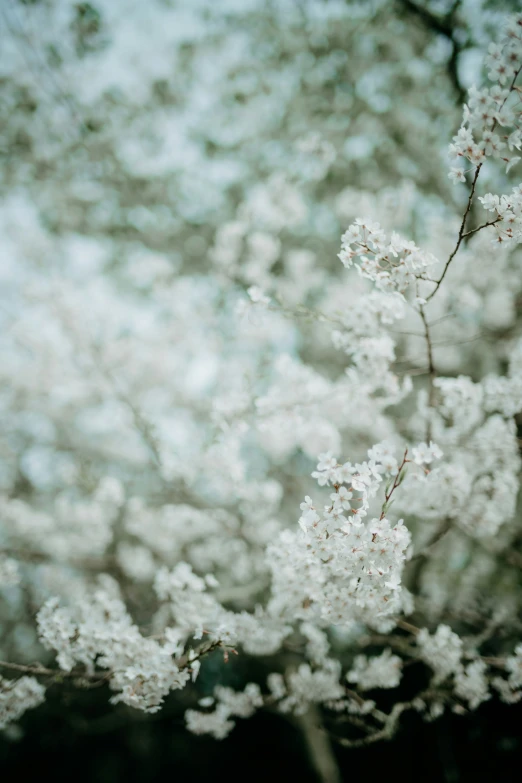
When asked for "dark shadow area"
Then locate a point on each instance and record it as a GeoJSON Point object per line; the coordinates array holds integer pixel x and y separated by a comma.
{"type": "Point", "coordinates": [85, 741]}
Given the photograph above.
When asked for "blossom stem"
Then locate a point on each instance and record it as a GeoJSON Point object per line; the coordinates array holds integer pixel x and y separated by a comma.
{"type": "Point", "coordinates": [461, 233]}
{"type": "Point", "coordinates": [479, 228]}
{"type": "Point", "coordinates": [397, 481]}
{"type": "Point", "coordinates": [431, 368]}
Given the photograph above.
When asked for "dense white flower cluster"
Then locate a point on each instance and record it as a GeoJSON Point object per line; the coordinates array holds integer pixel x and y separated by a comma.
{"type": "Point", "coordinates": [17, 696]}
{"type": "Point", "coordinates": [392, 263]}
{"type": "Point", "coordinates": [510, 690]}
{"type": "Point", "coordinates": [381, 671]}
{"type": "Point", "coordinates": [100, 632]}
{"type": "Point", "coordinates": [178, 356]}
{"type": "Point", "coordinates": [514, 667]}
{"type": "Point", "coordinates": [471, 684]}
{"type": "Point", "coordinates": [492, 126]}
{"type": "Point", "coordinates": [340, 567]}
{"type": "Point", "coordinates": [508, 214]}
{"type": "Point", "coordinates": [441, 650]}
{"type": "Point", "coordinates": [306, 686]}
{"type": "Point", "coordinates": [227, 703]}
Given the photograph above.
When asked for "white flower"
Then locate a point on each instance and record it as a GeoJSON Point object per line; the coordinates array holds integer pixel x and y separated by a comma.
{"type": "Point", "coordinates": [489, 202]}
{"type": "Point", "coordinates": [471, 683]}
{"type": "Point", "coordinates": [424, 454]}
{"type": "Point", "coordinates": [442, 651]}
{"type": "Point", "coordinates": [456, 175]}
{"type": "Point", "coordinates": [512, 162]}
{"type": "Point", "coordinates": [17, 696]}
{"type": "Point", "coordinates": [383, 671]}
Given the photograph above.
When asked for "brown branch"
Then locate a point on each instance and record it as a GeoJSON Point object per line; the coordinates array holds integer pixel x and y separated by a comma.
{"type": "Point", "coordinates": [479, 228]}
{"type": "Point", "coordinates": [441, 25]}
{"type": "Point", "coordinates": [461, 233]}
{"type": "Point", "coordinates": [398, 643]}
{"type": "Point", "coordinates": [100, 677]}
{"type": "Point", "coordinates": [397, 481]}
{"type": "Point", "coordinates": [431, 368]}
{"type": "Point", "coordinates": [392, 720]}
{"type": "Point", "coordinates": [386, 733]}
{"type": "Point", "coordinates": [319, 747]}
{"type": "Point", "coordinates": [408, 627]}
{"type": "Point", "coordinates": [205, 649]}
{"type": "Point", "coordinates": [39, 670]}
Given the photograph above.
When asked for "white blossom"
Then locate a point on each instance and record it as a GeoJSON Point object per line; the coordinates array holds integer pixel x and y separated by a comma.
{"type": "Point", "coordinates": [18, 696]}
{"type": "Point", "coordinates": [441, 650]}
{"type": "Point", "coordinates": [381, 671]}
{"type": "Point", "coordinates": [471, 684]}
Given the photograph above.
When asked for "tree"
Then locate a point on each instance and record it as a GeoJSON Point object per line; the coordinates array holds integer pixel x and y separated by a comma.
{"type": "Point", "coordinates": [182, 345]}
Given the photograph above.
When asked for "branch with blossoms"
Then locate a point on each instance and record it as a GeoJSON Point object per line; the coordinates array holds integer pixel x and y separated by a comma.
{"type": "Point", "coordinates": [83, 677]}
{"type": "Point", "coordinates": [476, 140]}
{"type": "Point", "coordinates": [461, 680]}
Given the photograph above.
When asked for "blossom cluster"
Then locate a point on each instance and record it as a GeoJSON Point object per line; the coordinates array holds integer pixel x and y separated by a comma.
{"type": "Point", "coordinates": [508, 214]}
{"type": "Point", "coordinates": [17, 696]}
{"type": "Point", "coordinates": [491, 125]}
{"type": "Point", "coordinates": [99, 632]}
{"type": "Point", "coordinates": [393, 263]}
{"type": "Point", "coordinates": [341, 567]}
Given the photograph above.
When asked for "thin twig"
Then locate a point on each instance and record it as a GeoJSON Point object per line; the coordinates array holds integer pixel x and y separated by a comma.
{"type": "Point", "coordinates": [38, 670]}
{"type": "Point", "coordinates": [461, 233]}
{"type": "Point", "coordinates": [396, 482]}
{"type": "Point", "coordinates": [432, 371]}
{"type": "Point", "coordinates": [479, 228]}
